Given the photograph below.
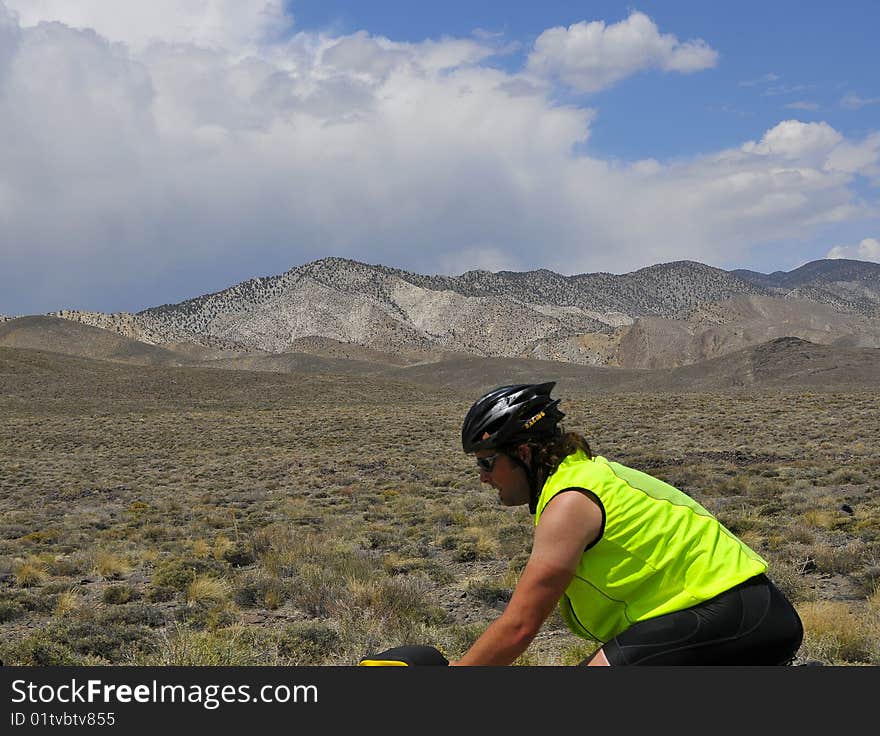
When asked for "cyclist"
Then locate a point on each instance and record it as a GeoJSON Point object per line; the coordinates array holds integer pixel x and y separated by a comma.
{"type": "Point", "coordinates": [632, 562]}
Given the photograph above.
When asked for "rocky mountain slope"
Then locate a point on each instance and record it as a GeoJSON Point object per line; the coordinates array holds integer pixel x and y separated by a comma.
{"type": "Point", "coordinates": [664, 315]}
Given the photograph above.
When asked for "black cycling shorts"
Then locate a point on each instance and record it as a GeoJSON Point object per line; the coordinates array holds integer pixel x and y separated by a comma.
{"type": "Point", "coordinates": [750, 624]}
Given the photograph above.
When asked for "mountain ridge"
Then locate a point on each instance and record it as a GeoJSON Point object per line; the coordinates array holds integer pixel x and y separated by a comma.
{"type": "Point", "coordinates": [590, 318]}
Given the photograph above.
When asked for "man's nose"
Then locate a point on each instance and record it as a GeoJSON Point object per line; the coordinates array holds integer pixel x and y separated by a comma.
{"type": "Point", "coordinates": [484, 476]}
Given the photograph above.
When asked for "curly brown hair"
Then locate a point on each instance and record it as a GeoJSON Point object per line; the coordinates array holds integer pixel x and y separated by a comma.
{"type": "Point", "coordinates": [548, 454]}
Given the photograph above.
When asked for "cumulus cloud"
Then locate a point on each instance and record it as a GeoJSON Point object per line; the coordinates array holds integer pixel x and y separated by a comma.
{"type": "Point", "coordinates": [590, 56]}
{"type": "Point", "coordinates": [797, 141]}
{"type": "Point", "coordinates": [867, 250]}
{"type": "Point", "coordinates": [132, 175]}
{"type": "Point", "coordinates": [224, 24]}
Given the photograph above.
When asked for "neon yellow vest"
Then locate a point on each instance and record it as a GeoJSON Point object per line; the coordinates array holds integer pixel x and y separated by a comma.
{"type": "Point", "coordinates": [660, 551]}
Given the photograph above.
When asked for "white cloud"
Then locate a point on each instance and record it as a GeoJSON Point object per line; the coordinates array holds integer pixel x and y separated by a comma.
{"type": "Point", "coordinates": [766, 79]}
{"type": "Point", "coordinates": [802, 105]}
{"type": "Point", "coordinates": [591, 56]}
{"type": "Point", "coordinates": [132, 177]}
{"type": "Point", "coordinates": [857, 157]}
{"type": "Point", "coordinates": [236, 25]}
{"type": "Point", "coordinates": [793, 139]}
{"type": "Point", "coordinates": [867, 250]}
{"type": "Point", "coordinates": [854, 102]}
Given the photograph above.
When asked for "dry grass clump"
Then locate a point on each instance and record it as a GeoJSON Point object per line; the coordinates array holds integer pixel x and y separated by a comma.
{"type": "Point", "coordinates": [201, 548]}
{"type": "Point", "coordinates": [31, 572]}
{"type": "Point", "coordinates": [109, 565]}
{"type": "Point", "coordinates": [819, 518]}
{"type": "Point", "coordinates": [206, 589]}
{"type": "Point", "coordinates": [68, 603]}
{"type": "Point", "coordinates": [838, 633]}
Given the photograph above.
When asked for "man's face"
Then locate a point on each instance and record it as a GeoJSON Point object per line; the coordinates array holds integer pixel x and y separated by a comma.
{"type": "Point", "coordinates": [506, 476]}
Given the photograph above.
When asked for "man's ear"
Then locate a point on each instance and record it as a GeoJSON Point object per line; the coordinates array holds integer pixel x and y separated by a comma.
{"type": "Point", "coordinates": [524, 453]}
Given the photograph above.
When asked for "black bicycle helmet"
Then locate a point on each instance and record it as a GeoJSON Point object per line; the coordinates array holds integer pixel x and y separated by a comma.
{"type": "Point", "coordinates": [510, 415]}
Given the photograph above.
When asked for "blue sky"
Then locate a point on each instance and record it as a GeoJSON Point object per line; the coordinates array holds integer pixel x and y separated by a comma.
{"type": "Point", "coordinates": [152, 152]}
{"type": "Point", "coordinates": [772, 55]}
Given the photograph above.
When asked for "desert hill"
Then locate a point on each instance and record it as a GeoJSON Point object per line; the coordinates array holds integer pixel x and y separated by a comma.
{"type": "Point", "coordinates": [719, 328]}
{"type": "Point", "coordinates": [787, 364]}
{"type": "Point", "coordinates": [71, 338]}
{"type": "Point", "coordinates": [661, 316]}
{"type": "Point", "coordinates": [784, 364]}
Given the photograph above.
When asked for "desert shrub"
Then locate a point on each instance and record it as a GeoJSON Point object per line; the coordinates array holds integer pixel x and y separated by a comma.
{"type": "Point", "coordinates": [158, 533]}
{"type": "Point", "coordinates": [315, 589]}
{"type": "Point", "coordinates": [822, 518]}
{"type": "Point", "coordinates": [491, 592]}
{"type": "Point", "coordinates": [395, 564]}
{"type": "Point", "coordinates": [207, 616]}
{"type": "Point", "coordinates": [10, 610]}
{"type": "Point", "coordinates": [449, 541]}
{"type": "Point", "coordinates": [66, 566]}
{"type": "Point", "coordinates": [182, 646]}
{"type": "Point", "coordinates": [514, 536]}
{"type": "Point", "coordinates": [839, 559]}
{"type": "Point", "coordinates": [465, 551]}
{"type": "Point", "coordinates": [239, 555]}
{"type": "Point", "coordinates": [381, 538]}
{"type": "Point", "coordinates": [117, 594]}
{"type": "Point", "coordinates": [487, 547]}
{"type": "Point", "coordinates": [30, 600]}
{"type": "Point", "coordinates": [42, 536]}
{"type": "Point", "coordinates": [844, 476]}
{"type": "Point", "coordinates": [201, 548]}
{"type": "Point", "coordinates": [307, 642]}
{"type": "Point", "coordinates": [258, 589]}
{"type": "Point", "coordinates": [132, 614]}
{"type": "Point", "coordinates": [207, 603]}
{"type": "Point", "coordinates": [392, 601]}
{"type": "Point", "coordinates": [39, 650]}
{"type": "Point", "coordinates": [161, 593]}
{"type": "Point", "coordinates": [103, 638]}
{"type": "Point", "coordinates": [179, 572]}
{"type": "Point", "coordinates": [868, 580]}
{"type": "Point", "coordinates": [787, 577]}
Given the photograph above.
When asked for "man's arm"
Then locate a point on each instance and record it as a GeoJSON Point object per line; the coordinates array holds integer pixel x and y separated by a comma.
{"type": "Point", "coordinates": [569, 523]}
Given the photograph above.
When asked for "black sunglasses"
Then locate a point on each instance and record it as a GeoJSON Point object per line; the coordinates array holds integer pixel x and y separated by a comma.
{"type": "Point", "coordinates": [487, 463]}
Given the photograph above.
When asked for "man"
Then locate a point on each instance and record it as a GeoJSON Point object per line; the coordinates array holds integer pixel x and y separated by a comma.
{"type": "Point", "coordinates": [632, 562]}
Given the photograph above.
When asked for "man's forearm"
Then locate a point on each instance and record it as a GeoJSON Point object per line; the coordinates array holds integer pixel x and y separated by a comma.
{"type": "Point", "coordinates": [500, 644]}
